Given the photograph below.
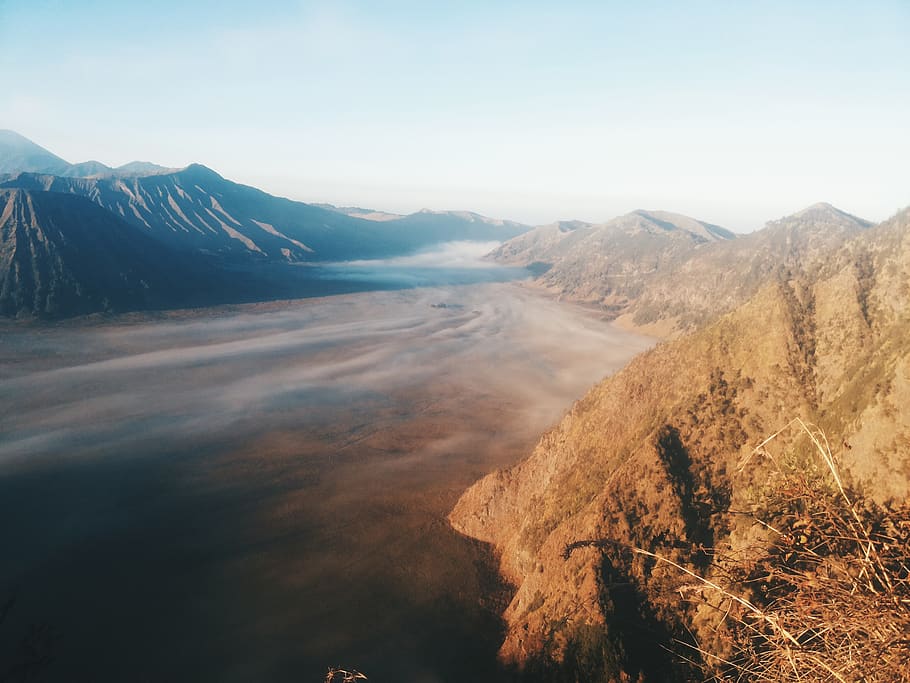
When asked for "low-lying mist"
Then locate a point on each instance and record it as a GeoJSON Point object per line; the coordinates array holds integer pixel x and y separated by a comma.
{"type": "Point", "coordinates": [449, 263]}
{"type": "Point", "coordinates": [259, 492]}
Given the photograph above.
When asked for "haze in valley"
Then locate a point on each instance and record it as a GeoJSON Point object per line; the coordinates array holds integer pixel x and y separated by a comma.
{"type": "Point", "coordinates": [261, 491]}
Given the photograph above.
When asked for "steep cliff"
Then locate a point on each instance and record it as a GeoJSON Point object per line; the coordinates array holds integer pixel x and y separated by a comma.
{"type": "Point", "coordinates": [649, 458]}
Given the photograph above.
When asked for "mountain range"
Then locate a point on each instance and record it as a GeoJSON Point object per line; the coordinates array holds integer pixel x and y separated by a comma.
{"type": "Point", "coordinates": [19, 154]}
{"type": "Point", "coordinates": [194, 212]}
{"type": "Point", "coordinates": [667, 274]}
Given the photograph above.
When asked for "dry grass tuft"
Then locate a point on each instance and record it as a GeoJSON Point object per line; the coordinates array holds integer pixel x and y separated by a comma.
{"type": "Point", "coordinates": [828, 599]}
{"type": "Point", "coordinates": [336, 675]}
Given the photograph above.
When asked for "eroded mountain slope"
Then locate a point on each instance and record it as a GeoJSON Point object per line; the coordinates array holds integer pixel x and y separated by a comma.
{"type": "Point", "coordinates": [63, 255]}
{"type": "Point", "coordinates": [649, 458]}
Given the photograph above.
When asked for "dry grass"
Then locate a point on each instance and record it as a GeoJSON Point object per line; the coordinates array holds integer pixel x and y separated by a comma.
{"type": "Point", "coordinates": [828, 598]}
{"type": "Point", "coordinates": [336, 675]}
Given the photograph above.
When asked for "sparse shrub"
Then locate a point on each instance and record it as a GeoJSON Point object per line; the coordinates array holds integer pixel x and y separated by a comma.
{"type": "Point", "coordinates": [828, 598]}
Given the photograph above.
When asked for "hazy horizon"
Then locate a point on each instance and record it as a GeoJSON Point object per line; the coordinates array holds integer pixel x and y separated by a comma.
{"type": "Point", "coordinates": [733, 115]}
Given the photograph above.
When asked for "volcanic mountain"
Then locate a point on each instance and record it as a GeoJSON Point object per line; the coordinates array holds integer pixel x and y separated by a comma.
{"type": "Point", "coordinates": [195, 209]}
{"type": "Point", "coordinates": [62, 254]}
{"type": "Point", "coordinates": [19, 154]}
{"type": "Point", "coordinates": [181, 217]}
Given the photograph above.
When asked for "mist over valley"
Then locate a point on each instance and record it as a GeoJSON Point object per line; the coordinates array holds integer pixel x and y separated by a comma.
{"type": "Point", "coordinates": [240, 477]}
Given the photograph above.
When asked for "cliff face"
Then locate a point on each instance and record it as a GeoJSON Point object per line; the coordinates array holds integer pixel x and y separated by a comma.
{"type": "Point", "coordinates": [649, 458]}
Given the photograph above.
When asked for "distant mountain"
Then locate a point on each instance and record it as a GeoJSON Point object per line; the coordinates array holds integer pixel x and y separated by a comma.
{"type": "Point", "coordinates": [716, 279]}
{"type": "Point", "coordinates": [95, 169]}
{"type": "Point", "coordinates": [671, 273]}
{"type": "Point", "coordinates": [443, 225]}
{"type": "Point", "coordinates": [227, 241]}
{"type": "Point", "coordinates": [87, 169]}
{"type": "Point", "coordinates": [141, 168]}
{"type": "Point", "coordinates": [18, 153]}
{"type": "Point", "coordinates": [195, 209]}
{"type": "Point", "coordinates": [360, 212]}
{"type": "Point", "coordinates": [61, 254]}
{"type": "Point", "coordinates": [446, 226]}
{"type": "Point", "coordinates": [540, 245]}
{"type": "Point", "coordinates": [661, 455]}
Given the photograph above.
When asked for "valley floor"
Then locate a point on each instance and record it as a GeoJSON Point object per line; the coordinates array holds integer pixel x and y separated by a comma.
{"type": "Point", "coordinates": [259, 492]}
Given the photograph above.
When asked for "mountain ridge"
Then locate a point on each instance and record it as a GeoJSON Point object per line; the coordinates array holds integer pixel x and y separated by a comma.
{"type": "Point", "coordinates": [651, 458]}
{"type": "Point", "coordinates": [197, 209]}
{"type": "Point", "coordinates": [673, 288]}
{"type": "Point", "coordinates": [235, 234]}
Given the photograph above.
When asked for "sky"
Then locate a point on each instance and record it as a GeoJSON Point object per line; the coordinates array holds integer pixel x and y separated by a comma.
{"type": "Point", "coordinates": [731, 112]}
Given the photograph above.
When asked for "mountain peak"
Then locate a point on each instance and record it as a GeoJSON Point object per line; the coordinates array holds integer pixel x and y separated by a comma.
{"type": "Point", "coordinates": [669, 222]}
{"type": "Point", "coordinates": [200, 171]}
{"type": "Point", "coordinates": [820, 208]}
{"type": "Point", "coordinates": [18, 153]}
{"type": "Point", "coordinates": [825, 213]}
{"type": "Point", "coordinates": [142, 168]}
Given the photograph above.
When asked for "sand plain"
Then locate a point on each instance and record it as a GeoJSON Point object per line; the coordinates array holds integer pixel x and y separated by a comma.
{"type": "Point", "coordinates": [257, 492]}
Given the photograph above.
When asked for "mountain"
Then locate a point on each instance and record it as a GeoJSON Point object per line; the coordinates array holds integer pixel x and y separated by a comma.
{"type": "Point", "coordinates": [360, 212]}
{"type": "Point", "coordinates": [661, 456]}
{"type": "Point", "coordinates": [229, 242]}
{"type": "Point", "coordinates": [63, 255]}
{"type": "Point", "coordinates": [542, 245]}
{"type": "Point", "coordinates": [443, 226]}
{"type": "Point", "coordinates": [616, 246]}
{"type": "Point", "coordinates": [195, 209]}
{"type": "Point", "coordinates": [447, 226]}
{"type": "Point", "coordinates": [610, 264]}
{"type": "Point", "coordinates": [95, 169]}
{"type": "Point", "coordinates": [18, 153]}
{"type": "Point", "coordinates": [141, 168]}
{"type": "Point", "coordinates": [668, 274]}
{"type": "Point", "coordinates": [87, 169]}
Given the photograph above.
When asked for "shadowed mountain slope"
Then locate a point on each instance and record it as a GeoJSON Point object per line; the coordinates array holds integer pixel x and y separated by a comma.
{"type": "Point", "coordinates": [63, 255]}
{"type": "Point", "coordinates": [649, 458]}
{"type": "Point", "coordinates": [195, 209]}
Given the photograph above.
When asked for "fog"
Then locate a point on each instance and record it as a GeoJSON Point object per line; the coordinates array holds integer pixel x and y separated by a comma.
{"type": "Point", "coordinates": [258, 492]}
{"type": "Point", "coordinates": [443, 264]}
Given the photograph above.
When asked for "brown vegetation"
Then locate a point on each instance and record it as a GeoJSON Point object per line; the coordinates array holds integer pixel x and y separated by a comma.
{"type": "Point", "coordinates": [826, 598]}
{"type": "Point", "coordinates": [648, 460]}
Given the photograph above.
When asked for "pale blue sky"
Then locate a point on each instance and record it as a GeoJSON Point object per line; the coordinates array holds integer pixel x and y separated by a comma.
{"type": "Point", "coordinates": [732, 112]}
